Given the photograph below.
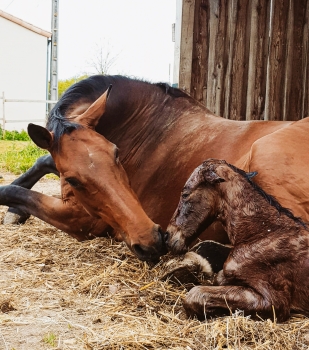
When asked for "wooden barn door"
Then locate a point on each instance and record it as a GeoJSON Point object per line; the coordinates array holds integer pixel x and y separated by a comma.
{"type": "Point", "coordinates": [247, 59]}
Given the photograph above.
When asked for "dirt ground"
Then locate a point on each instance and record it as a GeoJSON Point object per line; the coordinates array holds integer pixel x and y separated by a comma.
{"type": "Point", "coordinates": [57, 293]}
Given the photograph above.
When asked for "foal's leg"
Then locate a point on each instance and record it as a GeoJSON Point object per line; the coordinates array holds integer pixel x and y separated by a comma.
{"type": "Point", "coordinates": [43, 165]}
{"type": "Point", "coordinates": [206, 301]}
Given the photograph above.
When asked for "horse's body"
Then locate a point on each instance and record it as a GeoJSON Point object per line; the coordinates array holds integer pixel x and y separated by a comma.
{"type": "Point", "coordinates": [266, 272]}
{"type": "Point", "coordinates": [162, 135]}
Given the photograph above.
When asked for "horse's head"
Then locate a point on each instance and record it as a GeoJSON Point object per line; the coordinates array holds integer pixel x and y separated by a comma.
{"type": "Point", "coordinates": [90, 165]}
{"type": "Point", "coordinates": [198, 206]}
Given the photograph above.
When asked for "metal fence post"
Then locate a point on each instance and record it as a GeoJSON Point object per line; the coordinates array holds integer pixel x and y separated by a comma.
{"type": "Point", "coordinates": [3, 114]}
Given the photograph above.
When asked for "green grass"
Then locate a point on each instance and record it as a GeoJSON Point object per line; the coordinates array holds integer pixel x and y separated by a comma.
{"type": "Point", "coordinates": [18, 156]}
{"type": "Point", "coordinates": [50, 339]}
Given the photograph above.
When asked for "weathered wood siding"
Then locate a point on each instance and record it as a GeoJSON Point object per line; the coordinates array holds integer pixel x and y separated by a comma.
{"type": "Point", "coordinates": [247, 59]}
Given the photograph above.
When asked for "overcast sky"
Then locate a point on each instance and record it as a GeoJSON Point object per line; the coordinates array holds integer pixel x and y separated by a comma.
{"type": "Point", "coordinates": [138, 32]}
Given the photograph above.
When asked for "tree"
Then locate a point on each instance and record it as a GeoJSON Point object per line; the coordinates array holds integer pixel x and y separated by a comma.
{"type": "Point", "coordinates": [103, 58]}
{"type": "Point", "coordinates": [63, 85]}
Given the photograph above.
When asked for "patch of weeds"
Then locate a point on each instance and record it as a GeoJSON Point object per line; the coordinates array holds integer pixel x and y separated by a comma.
{"type": "Point", "coordinates": [50, 338]}
{"type": "Point", "coordinates": [17, 161]}
{"type": "Point", "coordinates": [14, 135]}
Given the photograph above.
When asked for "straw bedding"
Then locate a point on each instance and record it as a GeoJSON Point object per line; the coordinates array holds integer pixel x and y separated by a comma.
{"type": "Point", "coordinates": [58, 293]}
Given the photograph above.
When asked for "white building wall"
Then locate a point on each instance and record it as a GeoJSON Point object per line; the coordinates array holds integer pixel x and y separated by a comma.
{"type": "Point", "coordinates": [22, 73]}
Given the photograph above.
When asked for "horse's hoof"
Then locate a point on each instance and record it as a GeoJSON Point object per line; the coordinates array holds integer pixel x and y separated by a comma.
{"type": "Point", "coordinates": [14, 219]}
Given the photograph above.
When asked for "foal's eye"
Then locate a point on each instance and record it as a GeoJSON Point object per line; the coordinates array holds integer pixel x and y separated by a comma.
{"type": "Point", "coordinates": [73, 182]}
{"type": "Point", "coordinates": [185, 195]}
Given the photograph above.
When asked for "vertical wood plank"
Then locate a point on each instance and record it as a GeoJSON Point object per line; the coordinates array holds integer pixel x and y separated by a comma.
{"type": "Point", "coordinates": [305, 65]}
{"type": "Point", "coordinates": [239, 59]}
{"type": "Point", "coordinates": [217, 59]}
{"type": "Point", "coordinates": [276, 60]}
{"type": "Point", "coordinates": [297, 64]}
{"type": "Point", "coordinates": [200, 51]}
{"type": "Point", "coordinates": [230, 40]}
{"type": "Point", "coordinates": [289, 47]}
{"type": "Point", "coordinates": [186, 45]}
{"type": "Point", "coordinates": [258, 43]}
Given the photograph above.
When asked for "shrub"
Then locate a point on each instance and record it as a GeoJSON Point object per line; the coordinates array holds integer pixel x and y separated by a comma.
{"type": "Point", "coordinates": [14, 135]}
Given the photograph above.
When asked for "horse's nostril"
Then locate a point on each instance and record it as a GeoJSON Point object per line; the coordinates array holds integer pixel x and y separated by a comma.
{"type": "Point", "coordinates": [139, 251]}
{"type": "Point", "coordinates": [166, 236]}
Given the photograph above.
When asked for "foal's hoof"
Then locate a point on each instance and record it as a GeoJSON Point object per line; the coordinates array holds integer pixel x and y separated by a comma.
{"type": "Point", "coordinates": [190, 269]}
{"type": "Point", "coordinates": [201, 263]}
{"type": "Point", "coordinates": [14, 219]}
{"type": "Point", "coordinates": [195, 303]}
{"type": "Point", "coordinates": [214, 253]}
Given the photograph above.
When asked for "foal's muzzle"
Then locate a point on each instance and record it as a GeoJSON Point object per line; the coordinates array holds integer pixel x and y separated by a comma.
{"type": "Point", "coordinates": [174, 241]}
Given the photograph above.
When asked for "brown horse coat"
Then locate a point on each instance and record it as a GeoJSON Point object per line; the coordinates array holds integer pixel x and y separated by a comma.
{"type": "Point", "coordinates": [279, 178]}
{"type": "Point", "coordinates": [162, 135]}
{"type": "Point", "coordinates": [266, 272]}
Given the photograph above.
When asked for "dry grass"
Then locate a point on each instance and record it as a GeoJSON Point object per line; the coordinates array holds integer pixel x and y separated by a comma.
{"type": "Point", "coordinates": [56, 293]}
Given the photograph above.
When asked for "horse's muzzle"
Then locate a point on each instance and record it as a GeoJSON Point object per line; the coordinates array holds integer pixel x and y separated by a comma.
{"type": "Point", "coordinates": [154, 251]}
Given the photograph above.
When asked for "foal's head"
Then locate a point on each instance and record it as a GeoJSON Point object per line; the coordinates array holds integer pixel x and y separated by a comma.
{"type": "Point", "coordinates": [201, 201]}
{"type": "Point", "coordinates": [90, 165]}
{"type": "Point", "coordinates": [197, 208]}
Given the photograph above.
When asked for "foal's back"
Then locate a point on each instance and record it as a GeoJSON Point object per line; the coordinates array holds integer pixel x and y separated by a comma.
{"type": "Point", "coordinates": [271, 245]}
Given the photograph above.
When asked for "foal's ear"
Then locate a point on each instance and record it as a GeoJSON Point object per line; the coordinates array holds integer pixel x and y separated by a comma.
{"type": "Point", "coordinates": [92, 115]}
{"type": "Point", "coordinates": [212, 177]}
{"type": "Point", "coordinates": [252, 174]}
{"type": "Point", "coordinates": [40, 136]}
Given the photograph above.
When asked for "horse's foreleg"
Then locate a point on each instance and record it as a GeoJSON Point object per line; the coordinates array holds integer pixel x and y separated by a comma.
{"type": "Point", "coordinates": [43, 165]}
{"type": "Point", "coordinates": [207, 301]}
{"type": "Point", "coordinates": [67, 215]}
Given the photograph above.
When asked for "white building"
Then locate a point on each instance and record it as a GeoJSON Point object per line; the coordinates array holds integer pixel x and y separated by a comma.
{"type": "Point", "coordinates": [23, 71]}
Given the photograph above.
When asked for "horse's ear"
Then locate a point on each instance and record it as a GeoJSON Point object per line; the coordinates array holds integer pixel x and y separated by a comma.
{"type": "Point", "coordinates": [212, 177]}
{"type": "Point", "coordinates": [40, 136]}
{"type": "Point", "coordinates": [92, 115]}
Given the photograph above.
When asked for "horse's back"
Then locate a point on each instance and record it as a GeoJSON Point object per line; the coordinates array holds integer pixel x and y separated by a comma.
{"type": "Point", "coordinates": [282, 161]}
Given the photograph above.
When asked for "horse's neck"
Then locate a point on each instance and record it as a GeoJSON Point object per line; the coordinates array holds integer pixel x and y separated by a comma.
{"type": "Point", "coordinates": [245, 214]}
{"type": "Point", "coordinates": [148, 122]}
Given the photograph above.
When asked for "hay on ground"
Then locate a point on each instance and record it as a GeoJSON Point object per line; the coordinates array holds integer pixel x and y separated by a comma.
{"type": "Point", "coordinates": [58, 293]}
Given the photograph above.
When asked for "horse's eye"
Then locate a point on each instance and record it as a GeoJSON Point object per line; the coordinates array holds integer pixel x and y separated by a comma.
{"type": "Point", "coordinates": [73, 182]}
{"type": "Point", "coordinates": [116, 155]}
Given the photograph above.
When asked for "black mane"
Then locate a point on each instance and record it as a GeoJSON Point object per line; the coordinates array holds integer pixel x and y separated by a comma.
{"type": "Point", "coordinates": [270, 199]}
{"type": "Point", "coordinates": [174, 92]}
{"type": "Point", "coordinates": [87, 91]}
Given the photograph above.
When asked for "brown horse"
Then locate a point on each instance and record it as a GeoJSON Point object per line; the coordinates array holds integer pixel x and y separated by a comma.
{"type": "Point", "coordinates": [267, 271]}
{"type": "Point", "coordinates": [162, 135]}
{"type": "Point", "coordinates": [90, 165]}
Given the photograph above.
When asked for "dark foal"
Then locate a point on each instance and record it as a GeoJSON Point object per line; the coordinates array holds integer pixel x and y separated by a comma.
{"type": "Point", "coordinates": [266, 273]}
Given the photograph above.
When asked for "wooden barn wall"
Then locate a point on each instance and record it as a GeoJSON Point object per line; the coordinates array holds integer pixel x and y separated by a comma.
{"type": "Point", "coordinates": [247, 59]}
